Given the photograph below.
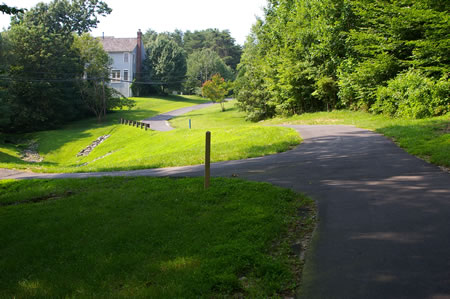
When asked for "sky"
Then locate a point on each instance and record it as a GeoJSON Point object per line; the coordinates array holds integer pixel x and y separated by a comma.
{"type": "Point", "coordinates": [167, 15]}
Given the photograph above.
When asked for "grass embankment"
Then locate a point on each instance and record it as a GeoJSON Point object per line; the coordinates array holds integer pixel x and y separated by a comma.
{"type": "Point", "coordinates": [131, 148]}
{"type": "Point", "coordinates": [428, 138]}
{"type": "Point", "coordinates": [149, 237]}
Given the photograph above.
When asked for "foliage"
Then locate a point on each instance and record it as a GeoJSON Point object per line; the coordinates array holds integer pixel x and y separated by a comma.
{"type": "Point", "coordinates": [65, 16]}
{"type": "Point", "coordinates": [10, 10]}
{"type": "Point", "coordinates": [42, 67]}
{"type": "Point", "coordinates": [164, 65]}
{"type": "Point", "coordinates": [326, 91]}
{"type": "Point", "coordinates": [201, 66]}
{"type": "Point", "coordinates": [220, 42]}
{"type": "Point", "coordinates": [358, 46]}
{"type": "Point", "coordinates": [249, 88]}
{"type": "Point", "coordinates": [413, 95]}
{"type": "Point", "coordinates": [41, 70]}
{"type": "Point", "coordinates": [216, 90]}
{"type": "Point", "coordinates": [208, 52]}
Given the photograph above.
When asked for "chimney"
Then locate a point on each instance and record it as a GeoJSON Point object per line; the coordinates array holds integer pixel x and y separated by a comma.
{"type": "Point", "coordinates": [139, 55]}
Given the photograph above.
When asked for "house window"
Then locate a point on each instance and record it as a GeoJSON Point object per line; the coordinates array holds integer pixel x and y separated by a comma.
{"type": "Point", "coordinates": [125, 57]}
{"type": "Point", "coordinates": [125, 75]}
{"type": "Point", "coordinates": [115, 75]}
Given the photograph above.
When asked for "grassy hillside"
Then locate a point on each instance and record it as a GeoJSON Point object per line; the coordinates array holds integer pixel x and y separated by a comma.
{"type": "Point", "coordinates": [131, 148]}
{"type": "Point", "coordinates": [427, 138]}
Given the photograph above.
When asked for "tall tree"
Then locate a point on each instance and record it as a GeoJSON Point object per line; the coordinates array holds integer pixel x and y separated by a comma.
{"type": "Point", "coordinates": [43, 66]}
{"type": "Point", "coordinates": [65, 16]}
{"type": "Point", "coordinates": [201, 66]}
{"type": "Point", "coordinates": [10, 10]}
{"type": "Point", "coordinates": [313, 55]}
{"type": "Point", "coordinates": [165, 64]}
{"type": "Point", "coordinates": [220, 42]}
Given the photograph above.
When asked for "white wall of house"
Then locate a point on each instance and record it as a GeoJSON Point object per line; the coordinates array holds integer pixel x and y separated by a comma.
{"type": "Point", "coordinates": [122, 84]}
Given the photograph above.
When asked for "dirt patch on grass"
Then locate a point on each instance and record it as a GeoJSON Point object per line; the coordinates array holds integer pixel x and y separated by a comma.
{"type": "Point", "coordinates": [30, 154]}
{"type": "Point", "coordinates": [51, 196]}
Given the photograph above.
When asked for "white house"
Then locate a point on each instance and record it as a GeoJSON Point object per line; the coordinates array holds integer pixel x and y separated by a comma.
{"type": "Point", "coordinates": [127, 55]}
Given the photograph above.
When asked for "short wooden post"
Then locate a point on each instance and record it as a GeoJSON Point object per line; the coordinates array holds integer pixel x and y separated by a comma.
{"type": "Point", "coordinates": [207, 159]}
{"type": "Point", "coordinates": [189, 123]}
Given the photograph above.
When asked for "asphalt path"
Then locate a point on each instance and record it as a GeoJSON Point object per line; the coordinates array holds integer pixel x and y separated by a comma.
{"type": "Point", "coordinates": [160, 122]}
{"type": "Point", "coordinates": [384, 215]}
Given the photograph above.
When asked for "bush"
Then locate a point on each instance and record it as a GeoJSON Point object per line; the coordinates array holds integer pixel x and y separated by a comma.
{"type": "Point", "coordinates": [413, 95]}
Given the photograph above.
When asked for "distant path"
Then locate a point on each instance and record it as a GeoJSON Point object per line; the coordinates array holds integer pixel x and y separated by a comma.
{"type": "Point", "coordinates": [384, 215]}
{"type": "Point", "coordinates": [160, 122]}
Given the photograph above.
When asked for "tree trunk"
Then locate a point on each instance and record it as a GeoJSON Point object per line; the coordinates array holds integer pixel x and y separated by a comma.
{"type": "Point", "coordinates": [104, 100]}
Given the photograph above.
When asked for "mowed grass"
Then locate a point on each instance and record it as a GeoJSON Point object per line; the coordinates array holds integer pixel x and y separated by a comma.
{"type": "Point", "coordinates": [131, 148]}
{"type": "Point", "coordinates": [428, 138]}
{"type": "Point", "coordinates": [128, 237]}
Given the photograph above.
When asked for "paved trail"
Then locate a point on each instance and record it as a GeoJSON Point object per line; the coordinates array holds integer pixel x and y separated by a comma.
{"type": "Point", "coordinates": [384, 229]}
{"type": "Point", "coordinates": [160, 122]}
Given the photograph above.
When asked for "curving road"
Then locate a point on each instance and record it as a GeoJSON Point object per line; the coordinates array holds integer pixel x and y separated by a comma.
{"type": "Point", "coordinates": [384, 229]}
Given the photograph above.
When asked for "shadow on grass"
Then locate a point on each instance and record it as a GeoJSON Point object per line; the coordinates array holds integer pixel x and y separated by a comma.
{"type": "Point", "coordinates": [19, 163]}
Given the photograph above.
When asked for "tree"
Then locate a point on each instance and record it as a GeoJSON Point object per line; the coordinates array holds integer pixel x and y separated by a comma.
{"type": "Point", "coordinates": [43, 66]}
{"type": "Point", "coordinates": [220, 42]}
{"type": "Point", "coordinates": [95, 94]}
{"type": "Point", "coordinates": [201, 66]}
{"type": "Point", "coordinates": [306, 55]}
{"type": "Point", "coordinates": [65, 16]}
{"type": "Point", "coordinates": [216, 90]}
{"type": "Point", "coordinates": [165, 64]}
{"type": "Point", "coordinates": [10, 10]}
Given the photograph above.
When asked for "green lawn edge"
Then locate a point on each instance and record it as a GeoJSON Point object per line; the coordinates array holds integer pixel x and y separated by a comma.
{"type": "Point", "coordinates": [150, 237]}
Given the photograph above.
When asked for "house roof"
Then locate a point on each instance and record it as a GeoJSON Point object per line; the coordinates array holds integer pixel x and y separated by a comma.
{"type": "Point", "coordinates": [112, 44]}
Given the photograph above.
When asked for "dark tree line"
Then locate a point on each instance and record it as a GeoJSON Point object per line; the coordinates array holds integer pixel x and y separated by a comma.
{"type": "Point", "coordinates": [183, 61]}
{"type": "Point", "coordinates": [50, 73]}
{"type": "Point", "coordinates": [389, 56]}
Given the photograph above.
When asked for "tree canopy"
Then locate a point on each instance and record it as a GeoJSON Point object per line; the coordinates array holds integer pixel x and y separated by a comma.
{"type": "Point", "coordinates": [201, 66]}
{"type": "Point", "coordinates": [165, 64]}
{"type": "Point", "coordinates": [310, 55]}
{"type": "Point", "coordinates": [47, 70]}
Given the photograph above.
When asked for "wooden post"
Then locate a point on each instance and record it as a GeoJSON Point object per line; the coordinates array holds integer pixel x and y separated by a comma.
{"type": "Point", "coordinates": [120, 121]}
{"type": "Point", "coordinates": [207, 159]}
{"type": "Point", "coordinates": [189, 123]}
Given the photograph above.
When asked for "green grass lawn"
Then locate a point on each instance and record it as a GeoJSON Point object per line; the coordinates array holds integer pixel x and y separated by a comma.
{"type": "Point", "coordinates": [149, 237]}
{"type": "Point", "coordinates": [428, 138]}
{"type": "Point", "coordinates": [131, 148]}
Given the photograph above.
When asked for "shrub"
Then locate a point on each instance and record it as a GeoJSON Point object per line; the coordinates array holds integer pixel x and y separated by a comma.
{"type": "Point", "coordinates": [413, 95]}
